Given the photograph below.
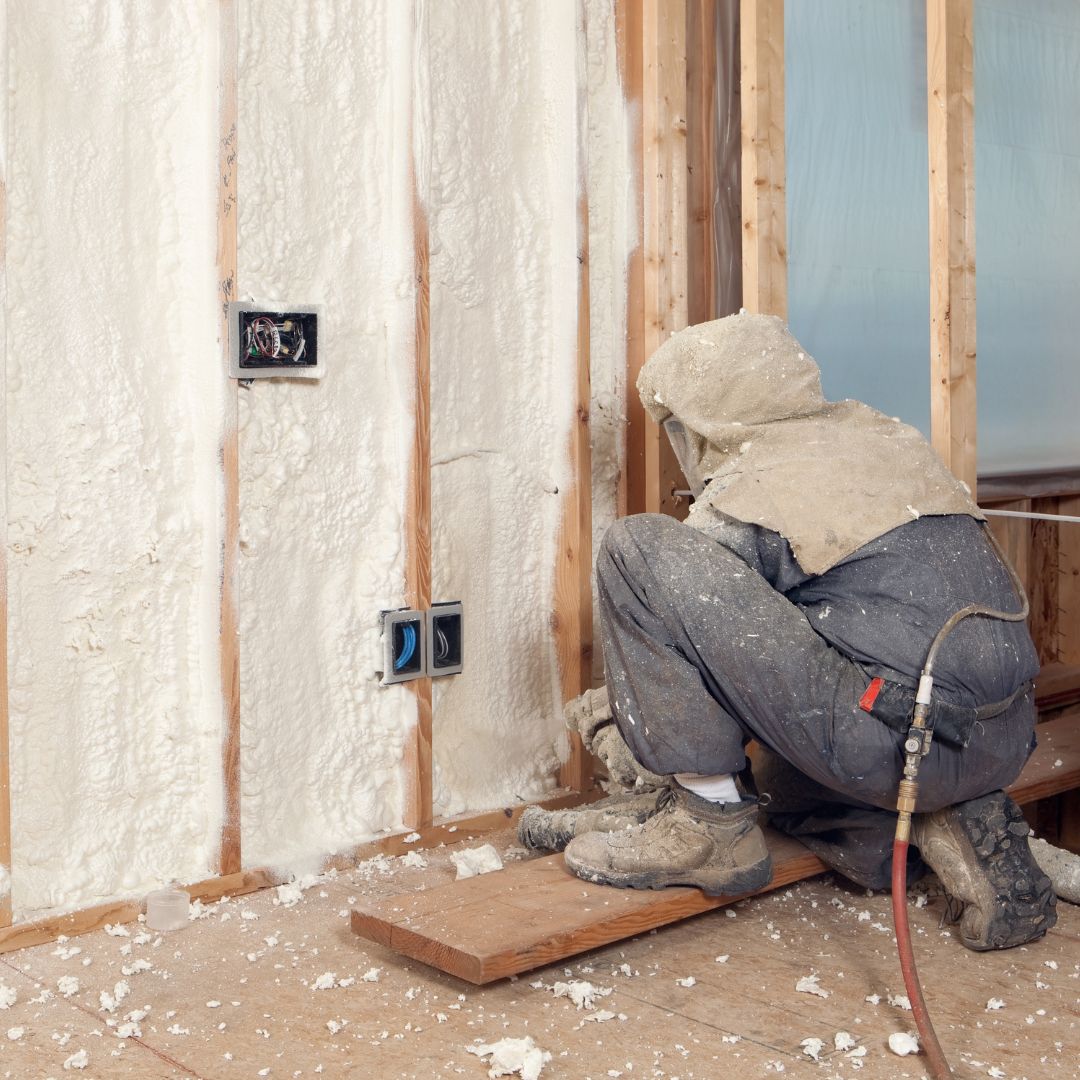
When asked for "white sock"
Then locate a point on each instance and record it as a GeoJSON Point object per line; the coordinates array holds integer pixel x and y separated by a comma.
{"type": "Point", "coordinates": [718, 788]}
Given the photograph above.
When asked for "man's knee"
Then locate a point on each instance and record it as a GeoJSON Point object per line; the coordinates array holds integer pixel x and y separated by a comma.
{"type": "Point", "coordinates": [638, 533]}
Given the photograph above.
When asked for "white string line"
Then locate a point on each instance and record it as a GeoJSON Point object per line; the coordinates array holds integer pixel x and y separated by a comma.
{"type": "Point", "coordinates": [1032, 517]}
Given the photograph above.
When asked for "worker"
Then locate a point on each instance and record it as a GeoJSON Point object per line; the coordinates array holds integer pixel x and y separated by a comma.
{"type": "Point", "coordinates": [826, 547]}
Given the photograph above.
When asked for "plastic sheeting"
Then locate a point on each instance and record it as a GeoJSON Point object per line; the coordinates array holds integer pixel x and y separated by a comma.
{"type": "Point", "coordinates": [857, 198]}
{"type": "Point", "coordinates": [1027, 232]}
{"type": "Point", "coordinates": [858, 287]}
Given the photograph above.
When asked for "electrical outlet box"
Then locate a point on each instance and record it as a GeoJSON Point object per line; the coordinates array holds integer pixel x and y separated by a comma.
{"type": "Point", "coordinates": [267, 342]}
{"type": "Point", "coordinates": [445, 639]}
{"type": "Point", "coordinates": [404, 646]}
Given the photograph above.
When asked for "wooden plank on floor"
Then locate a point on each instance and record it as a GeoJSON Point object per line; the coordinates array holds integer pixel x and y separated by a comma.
{"type": "Point", "coordinates": [229, 859]}
{"type": "Point", "coordinates": [572, 615]}
{"type": "Point", "coordinates": [951, 133]}
{"type": "Point", "coordinates": [537, 912]}
{"type": "Point", "coordinates": [482, 930]}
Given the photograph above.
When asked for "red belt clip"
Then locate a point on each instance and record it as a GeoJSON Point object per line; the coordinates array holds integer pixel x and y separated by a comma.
{"type": "Point", "coordinates": [866, 702]}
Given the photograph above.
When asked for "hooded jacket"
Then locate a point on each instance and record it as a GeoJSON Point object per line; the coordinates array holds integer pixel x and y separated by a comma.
{"type": "Point", "coordinates": [828, 476]}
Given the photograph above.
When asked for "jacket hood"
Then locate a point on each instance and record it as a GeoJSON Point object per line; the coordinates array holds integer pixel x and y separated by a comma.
{"type": "Point", "coordinates": [741, 370]}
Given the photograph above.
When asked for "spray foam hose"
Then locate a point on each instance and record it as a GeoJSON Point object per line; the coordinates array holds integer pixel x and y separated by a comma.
{"type": "Point", "coordinates": [916, 747]}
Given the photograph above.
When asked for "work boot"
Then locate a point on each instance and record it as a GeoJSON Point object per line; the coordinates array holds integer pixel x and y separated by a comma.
{"type": "Point", "coordinates": [979, 850]}
{"type": "Point", "coordinates": [716, 847]}
{"type": "Point", "coordinates": [590, 716]}
{"type": "Point", "coordinates": [552, 830]}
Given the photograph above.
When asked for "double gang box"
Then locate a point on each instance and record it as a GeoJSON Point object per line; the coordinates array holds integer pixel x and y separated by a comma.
{"type": "Point", "coordinates": [422, 643]}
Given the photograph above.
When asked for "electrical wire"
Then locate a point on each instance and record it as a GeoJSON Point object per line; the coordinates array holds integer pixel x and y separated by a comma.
{"type": "Point", "coordinates": [408, 647]}
{"type": "Point", "coordinates": [916, 747]}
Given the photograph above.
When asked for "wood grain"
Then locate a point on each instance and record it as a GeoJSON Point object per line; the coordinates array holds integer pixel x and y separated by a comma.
{"type": "Point", "coordinates": [1068, 583]}
{"type": "Point", "coordinates": [537, 912]}
{"type": "Point", "coordinates": [1057, 686]}
{"type": "Point", "coordinates": [1014, 536]}
{"type": "Point", "coordinates": [1043, 587]}
{"type": "Point", "coordinates": [764, 213]}
{"type": "Point", "coordinates": [418, 765]}
{"type": "Point", "coordinates": [951, 133]}
{"type": "Point", "coordinates": [482, 930]}
{"type": "Point", "coordinates": [572, 615]}
{"type": "Point", "coordinates": [664, 228]}
{"type": "Point", "coordinates": [628, 41]}
{"type": "Point", "coordinates": [229, 858]}
{"type": "Point", "coordinates": [701, 166]}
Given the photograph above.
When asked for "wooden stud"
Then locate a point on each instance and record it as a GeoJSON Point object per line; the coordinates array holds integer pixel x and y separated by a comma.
{"type": "Point", "coordinates": [5, 743]}
{"type": "Point", "coordinates": [1014, 536]}
{"type": "Point", "coordinates": [572, 616]}
{"type": "Point", "coordinates": [951, 129]}
{"type": "Point", "coordinates": [702, 179]}
{"type": "Point", "coordinates": [761, 37]}
{"type": "Point", "coordinates": [229, 859]}
{"type": "Point", "coordinates": [664, 186]}
{"type": "Point", "coordinates": [1043, 586]}
{"type": "Point", "coordinates": [628, 40]}
{"type": "Point", "coordinates": [1068, 585]}
{"type": "Point", "coordinates": [418, 763]}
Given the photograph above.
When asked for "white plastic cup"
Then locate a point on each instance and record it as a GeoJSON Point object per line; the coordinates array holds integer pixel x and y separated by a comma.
{"type": "Point", "coordinates": [167, 909]}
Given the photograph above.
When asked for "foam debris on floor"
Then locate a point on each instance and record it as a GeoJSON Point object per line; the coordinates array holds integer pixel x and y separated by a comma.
{"type": "Point", "coordinates": [278, 982]}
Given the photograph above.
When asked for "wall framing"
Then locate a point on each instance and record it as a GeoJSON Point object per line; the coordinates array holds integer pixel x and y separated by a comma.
{"type": "Point", "coordinates": [572, 618]}
{"type": "Point", "coordinates": [417, 811]}
{"type": "Point", "coordinates": [951, 131]}
{"type": "Point", "coordinates": [229, 859]}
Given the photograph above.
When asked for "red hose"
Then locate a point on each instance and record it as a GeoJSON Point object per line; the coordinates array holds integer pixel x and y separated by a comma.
{"type": "Point", "coordinates": [939, 1067]}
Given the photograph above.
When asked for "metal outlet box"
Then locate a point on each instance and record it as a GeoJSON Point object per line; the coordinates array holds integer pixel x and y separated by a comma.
{"type": "Point", "coordinates": [404, 639]}
{"type": "Point", "coordinates": [267, 341]}
{"type": "Point", "coordinates": [445, 639]}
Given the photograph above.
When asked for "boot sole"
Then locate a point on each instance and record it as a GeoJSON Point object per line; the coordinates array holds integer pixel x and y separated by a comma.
{"type": "Point", "coordinates": [750, 880]}
{"type": "Point", "coordinates": [994, 829]}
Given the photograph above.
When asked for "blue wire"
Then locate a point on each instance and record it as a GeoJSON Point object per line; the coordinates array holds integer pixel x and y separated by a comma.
{"type": "Point", "coordinates": [408, 632]}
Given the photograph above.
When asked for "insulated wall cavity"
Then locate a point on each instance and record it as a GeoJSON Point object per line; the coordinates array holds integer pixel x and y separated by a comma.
{"type": "Point", "coordinates": [114, 412]}
{"type": "Point", "coordinates": [502, 195]}
{"type": "Point", "coordinates": [325, 217]}
{"type": "Point", "coordinates": [1027, 232]}
{"type": "Point", "coordinates": [857, 198]}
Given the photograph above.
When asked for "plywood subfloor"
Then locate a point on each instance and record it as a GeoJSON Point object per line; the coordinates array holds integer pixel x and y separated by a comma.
{"type": "Point", "coordinates": [741, 1017]}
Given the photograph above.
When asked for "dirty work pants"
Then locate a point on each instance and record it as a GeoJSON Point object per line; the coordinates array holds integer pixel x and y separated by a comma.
{"type": "Point", "coordinates": [703, 654]}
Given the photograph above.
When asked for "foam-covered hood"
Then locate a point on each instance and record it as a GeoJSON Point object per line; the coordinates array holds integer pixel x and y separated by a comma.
{"type": "Point", "coordinates": [828, 476]}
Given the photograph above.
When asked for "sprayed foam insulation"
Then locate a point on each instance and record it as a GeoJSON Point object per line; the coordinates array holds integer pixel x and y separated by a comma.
{"type": "Point", "coordinates": [115, 498]}
{"type": "Point", "coordinates": [326, 217]}
{"type": "Point", "coordinates": [502, 176]}
{"type": "Point", "coordinates": [113, 484]}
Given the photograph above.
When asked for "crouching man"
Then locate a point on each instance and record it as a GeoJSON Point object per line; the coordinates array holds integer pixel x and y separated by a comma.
{"type": "Point", "coordinates": [826, 548]}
